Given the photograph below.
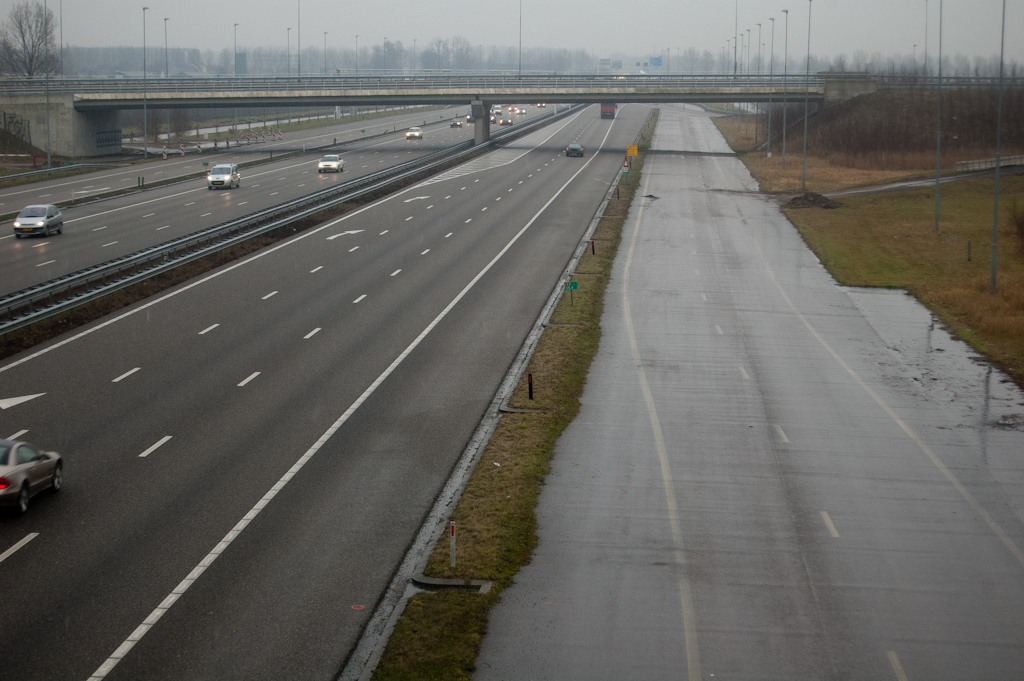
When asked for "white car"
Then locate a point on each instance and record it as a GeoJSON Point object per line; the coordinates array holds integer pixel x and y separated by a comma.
{"type": "Point", "coordinates": [414, 134]}
{"type": "Point", "coordinates": [38, 219]}
{"type": "Point", "coordinates": [330, 163]}
{"type": "Point", "coordinates": [225, 175]}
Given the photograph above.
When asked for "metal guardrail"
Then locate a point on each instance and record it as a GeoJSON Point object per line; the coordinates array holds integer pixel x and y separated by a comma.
{"type": "Point", "coordinates": [987, 163]}
{"type": "Point", "coordinates": [470, 84]}
{"type": "Point", "coordinates": [63, 294]}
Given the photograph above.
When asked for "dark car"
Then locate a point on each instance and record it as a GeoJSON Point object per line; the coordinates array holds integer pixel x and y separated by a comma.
{"type": "Point", "coordinates": [506, 120]}
{"type": "Point", "coordinates": [574, 149]}
{"type": "Point", "coordinates": [25, 471]}
{"type": "Point", "coordinates": [456, 123]}
{"type": "Point", "coordinates": [39, 219]}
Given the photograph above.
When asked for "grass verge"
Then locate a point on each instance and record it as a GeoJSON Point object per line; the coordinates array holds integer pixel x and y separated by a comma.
{"type": "Point", "coordinates": [438, 635]}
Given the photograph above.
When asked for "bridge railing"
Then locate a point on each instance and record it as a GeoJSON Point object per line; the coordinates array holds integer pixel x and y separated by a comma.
{"type": "Point", "coordinates": [482, 83]}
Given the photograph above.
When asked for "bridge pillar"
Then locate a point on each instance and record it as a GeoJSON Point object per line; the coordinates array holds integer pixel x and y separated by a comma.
{"type": "Point", "coordinates": [73, 134]}
{"type": "Point", "coordinates": [481, 121]}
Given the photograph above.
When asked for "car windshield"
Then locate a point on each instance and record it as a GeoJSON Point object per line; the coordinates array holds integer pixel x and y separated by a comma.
{"type": "Point", "coordinates": [330, 158]}
{"type": "Point", "coordinates": [221, 170]}
{"type": "Point", "coordinates": [4, 449]}
{"type": "Point", "coordinates": [33, 212]}
{"type": "Point", "coordinates": [414, 129]}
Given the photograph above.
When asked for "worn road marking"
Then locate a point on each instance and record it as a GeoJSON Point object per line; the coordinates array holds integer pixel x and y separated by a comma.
{"type": "Point", "coordinates": [828, 523]}
{"type": "Point", "coordinates": [894, 660]}
{"type": "Point", "coordinates": [719, 330]}
{"type": "Point", "coordinates": [781, 432]}
{"type": "Point", "coordinates": [746, 376]}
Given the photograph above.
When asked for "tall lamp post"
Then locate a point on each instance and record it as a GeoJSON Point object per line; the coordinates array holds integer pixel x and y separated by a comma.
{"type": "Point", "coordinates": [325, 56]}
{"type": "Point", "coordinates": [938, 127]}
{"type": "Point", "coordinates": [167, 74]}
{"type": "Point", "coordinates": [735, 39]}
{"type": "Point", "coordinates": [924, 71]}
{"type": "Point", "coordinates": [771, 79]}
{"type": "Point", "coordinates": [520, 38]}
{"type": "Point", "coordinates": [298, 40]}
{"type": "Point", "coordinates": [46, 85]}
{"type": "Point", "coordinates": [785, 94]}
{"type": "Point", "coordinates": [61, 9]}
{"type": "Point", "coordinates": [145, 116]}
{"type": "Point", "coordinates": [757, 107]}
{"type": "Point", "coordinates": [999, 139]}
{"type": "Point", "coordinates": [288, 51]}
{"type": "Point", "coordinates": [807, 95]}
{"type": "Point", "coordinates": [234, 72]}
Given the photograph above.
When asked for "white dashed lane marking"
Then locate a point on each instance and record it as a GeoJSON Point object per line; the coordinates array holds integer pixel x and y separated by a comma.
{"type": "Point", "coordinates": [359, 298]}
{"type": "Point", "coordinates": [126, 375]}
{"type": "Point", "coordinates": [311, 333]}
{"type": "Point", "coordinates": [252, 376]}
{"type": "Point", "coordinates": [159, 443]}
{"type": "Point", "coordinates": [208, 329]}
{"type": "Point", "coordinates": [270, 295]}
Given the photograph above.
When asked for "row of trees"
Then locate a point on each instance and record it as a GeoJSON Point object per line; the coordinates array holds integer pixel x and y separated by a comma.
{"type": "Point", "coordinates": [28, 49]}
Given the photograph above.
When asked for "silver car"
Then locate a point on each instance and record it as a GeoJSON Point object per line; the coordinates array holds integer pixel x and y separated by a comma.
{"type": "Point", "coordinates": [225, 175]}
{"type": "Point", "coordinates": [25, 471]}
{"type": "Point", "coordinates": [331, 163]}
{"type": "Point", "coordinates": [38, 219]}
{"type": "Point", "coordinates": [414, 134]}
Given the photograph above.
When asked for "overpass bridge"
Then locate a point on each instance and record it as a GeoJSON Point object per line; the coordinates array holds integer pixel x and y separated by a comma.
{"type": "Point", "coordinates": [84, 113]}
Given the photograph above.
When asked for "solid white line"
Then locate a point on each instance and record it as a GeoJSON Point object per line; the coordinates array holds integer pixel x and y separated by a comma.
{"type": "Point", "coordinates": [781, 432]}
{"type": "Point", "coordinates": [354, 248]}
{"type": "Point", "coordinates": [48, 262]}
{"type": "Point", "coordinates": [208, 329]}
{"type": "Point", "coordinates": [18, 434]}
{"type": "Point", "coordinates": [359, 298]}
{"type": "Point", "coordinates": [159, 443]}
{"type": "Point", "coordinates": [269, 295]}
{"type": "Point", "coordinates": [158, 612]}
{"type": "Point", "coordinates": [425, 252]}
{"type": "Point", "coordinates": [10, 552]}
{"type": "Point", "coordinates": [251, 377]}
{"type": "Point", "coordinates": [126, 374]}
{"type": "Point", "coordinates": [316, 269]}
{"type": "Point", "coordinates": [395, 272]}
{"type": "Point", "coordinates": [110, 244]}
{"type": "Point", "coordinates": [311, 334]}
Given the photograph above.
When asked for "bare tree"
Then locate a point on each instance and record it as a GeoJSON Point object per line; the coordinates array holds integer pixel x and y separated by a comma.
{"type": "Point", "coordinates": [28, 47]}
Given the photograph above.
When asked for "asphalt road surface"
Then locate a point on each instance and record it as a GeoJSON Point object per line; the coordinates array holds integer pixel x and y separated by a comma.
{"type": "Point", "coordinates": [104, 230]}
{"type": "Point", "coordinates": [771, 476]}
{"type": "Point", "coordinates": [249, 455]}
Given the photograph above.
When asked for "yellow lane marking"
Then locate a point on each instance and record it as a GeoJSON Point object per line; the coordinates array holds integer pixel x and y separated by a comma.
{"type": "Point", "coordinates": [828, 523]}
{"type": "Point", "coordinates": [689, 616]}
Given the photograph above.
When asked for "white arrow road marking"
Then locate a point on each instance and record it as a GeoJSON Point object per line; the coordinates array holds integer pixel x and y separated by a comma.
{"type": "Point", "coordinates": [416, 198]}
{"type": "Point", "coordinates": [351, 231]}
{"type": "Point", "coordinates": [15, 401]}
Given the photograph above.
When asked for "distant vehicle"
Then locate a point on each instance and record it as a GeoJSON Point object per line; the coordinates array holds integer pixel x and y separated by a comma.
{"type": "Point", "coordinates": [38, 219]}
{"type": "Point", "coordinates": [25, 472]}
{"type": "Point", "coordinates": [506, 120]}
{"type": "Point", "coordinates": [542, 105]}
{"type": "Point", "coordinates": [330, 163]}
{"type": "Point", "coordinates": [456, 123]}
{"type": "Point", "coordinates": [521, 111]}
{"type": "Point", "coordinates": [574, 149]}
{"type": "Point", "coordinates": [414, 134]}
{"type": "Point", "coordinates": [607, 111]}
{"type": "Point", "coordinates": [226, 175]}
{"type": "Point", "coordinates": [469, 116]}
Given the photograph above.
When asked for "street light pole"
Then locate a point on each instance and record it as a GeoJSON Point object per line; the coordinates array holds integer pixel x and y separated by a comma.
{"type": "Point", "coordinates": [145, 116]}
{"type": "Point", "coordinates": [785, 94]}
{"type": "Point", "coordinates": [924, 71]}
{"type": "Point", "coordinates": [298, 40]}
{"type": "Point", "coordinates": [938, 127]}
{"type": "Point", "coordinates": [757, 107]}
{"type": "Point", "coordinates": [61, 9]}
{"type": "Point", "coordinates": [807, 95]}
{"type": "Point", "coordinates": [999, 139]}
{"type": "Point", "coordinates": [234, 72]}
{"type": "Point", "coordinates": [46, 85]}
{"type": "Point", "coordinates": [771, 79]}
{"type": "Point", "coordinates": [357, 53]}
{"type": "Point", "coordinates": [325, 56]}
{"type": "Point", "coordinates": [735, 39]}
{"type": "Point", "coordinates": [520, 38]}
{"type": "Point", "coordinates": [167, 68]}
{"type": "Point", "coordinates": [288, 52]}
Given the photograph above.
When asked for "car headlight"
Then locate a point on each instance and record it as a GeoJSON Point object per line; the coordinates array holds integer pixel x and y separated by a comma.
{"type": "Point", "coordinates": [17, 224]}
{"type": "Point", "coordinates": [40, 223]}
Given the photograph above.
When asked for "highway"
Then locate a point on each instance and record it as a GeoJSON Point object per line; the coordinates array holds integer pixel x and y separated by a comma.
{"type": "Point", "coordinates": [103, 230]}
{"type": "Point", "coordinates": [248, 455]}
{"type": "Point", "coordinates": [771, 476]}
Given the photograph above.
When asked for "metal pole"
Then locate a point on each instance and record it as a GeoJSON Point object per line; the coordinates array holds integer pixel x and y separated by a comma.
{"type": "Point", "coordinates": [61, 8]}
{"type": "Point", "coordinates": [807, 94]}
{"type": "Point", "coordinates": [757, 107]}
{"type": "Point", "coordinates": [924, 71]}
{"type": "Point", "coordinates": [785, 94]}
{"type": "Point", "coordinates": [234, 72]}
{"type": "Point", "coordinates": [357, 52]}
{"type": "Point", "coordinates": [735, 39]}
{"type": "Point", "coordinates": [520, 38]}
{"type": "Point", "coordinates": [167, 61]}
{"type": "Point", "coordinates": [288, 51]}
{"type": "Point", "coordinates": [771, 78]}
{"type": "Point", "coordinates": [325, 56]}
{"type": "Point", "coordinates": [999, 128]}
{"type": "Point", "coordinates": [298, 40]}
{"type": "Point", "coordinates": [145, 113]}
{"type": "Point", "coordinates": [938, 127]}
{"type": "Point", "coordinates": [46, 65]}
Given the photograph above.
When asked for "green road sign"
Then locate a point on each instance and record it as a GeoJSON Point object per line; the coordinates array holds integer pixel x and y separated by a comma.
{"type": "Point", "coordinates": [571, 285]}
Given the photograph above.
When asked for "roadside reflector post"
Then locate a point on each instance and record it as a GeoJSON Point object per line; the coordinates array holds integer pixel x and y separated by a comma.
{"type": "Point", "coordinates": [451, 532]}
{"type": "Point", "coordinates": [592, 251]}
{"type": "Point", "coordinates": [529, 383]}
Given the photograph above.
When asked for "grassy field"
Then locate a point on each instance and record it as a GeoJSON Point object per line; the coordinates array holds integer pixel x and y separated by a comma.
{"type": "Point", "coordinates": [439, 634]}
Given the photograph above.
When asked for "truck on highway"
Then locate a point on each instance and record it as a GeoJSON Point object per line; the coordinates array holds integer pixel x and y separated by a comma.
{"type": "Point", "coordinates": [607, 111]}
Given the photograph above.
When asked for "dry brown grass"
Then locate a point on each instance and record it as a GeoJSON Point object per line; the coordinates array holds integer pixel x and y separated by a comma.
{"type": "Point", "coordinates": [889, 240]}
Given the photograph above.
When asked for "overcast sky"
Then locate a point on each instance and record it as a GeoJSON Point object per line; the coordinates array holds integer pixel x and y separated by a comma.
{"type": "Point", "coordinates": [637, 27]}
